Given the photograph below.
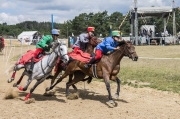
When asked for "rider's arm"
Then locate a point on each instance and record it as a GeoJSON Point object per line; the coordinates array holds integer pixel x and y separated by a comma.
{"type": "Point", "coordinates": [83, 39]}
{"type": "Point", "coordinates": [108, 46]}
{"type": "Point", "coordinates": [43, 42]}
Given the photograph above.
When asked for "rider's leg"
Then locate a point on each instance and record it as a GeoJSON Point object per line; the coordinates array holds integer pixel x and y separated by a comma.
{"type": "Point", "coordinates": [98, 55]}
{"type": "Point", "coordinates": [32, 65]}
{"type": "Point", "coordinates": [36, 53]}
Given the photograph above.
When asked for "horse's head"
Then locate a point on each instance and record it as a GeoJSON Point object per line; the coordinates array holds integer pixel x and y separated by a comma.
{"type": "Point", "coordinates": [94, 41]}
{"type": "Point", "coordinates": [129, 50]}
{"type": "Point", "coordinates": [61, 49]}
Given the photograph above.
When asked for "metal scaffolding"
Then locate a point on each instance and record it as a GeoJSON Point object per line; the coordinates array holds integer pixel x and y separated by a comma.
{"type": "Point", "coordinates": [151, 11]}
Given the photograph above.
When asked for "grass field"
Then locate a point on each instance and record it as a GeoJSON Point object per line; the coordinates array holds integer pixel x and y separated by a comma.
{"type": "Point", "coordinates": [161, 74]}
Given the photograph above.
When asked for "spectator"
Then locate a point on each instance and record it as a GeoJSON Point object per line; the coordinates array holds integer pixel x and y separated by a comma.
{"type": "Point", "coordinates": [147, 40]}
{"type": "Point", "coordinates": [150, 31]}
{"type": "Point", "coordinates": [166, 33]}
{"type": "Point", "coordinates": [140, 40]}
{"type": "Point", "coordinates": [163, 38]}
{"type": "Point", "coordinates": [2, 44]}
{"type": "Point", "coordinates": [144, 32]}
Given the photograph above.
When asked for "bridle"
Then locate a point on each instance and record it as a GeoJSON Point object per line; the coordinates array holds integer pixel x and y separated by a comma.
{"type": "Point", "coordinates": [59, 50]}
{"type": "Point", "coordinates": [61, 56]}
{"type": "Point", "coordinates": [129, 52]}
{"type": "Point", "coordinates": [93, 39]}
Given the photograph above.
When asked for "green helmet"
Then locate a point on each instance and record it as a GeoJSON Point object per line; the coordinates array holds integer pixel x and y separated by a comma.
{"type": "Point", "coordinates": [116, 33]}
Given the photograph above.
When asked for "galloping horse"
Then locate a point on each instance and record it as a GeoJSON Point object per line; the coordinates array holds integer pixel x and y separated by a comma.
{"type": "Point", "coordinates": [42, 69]}
{"type": "Point", "coordinates": [107, 68]}
{"type": "Point", "coordinates": [89, 49]}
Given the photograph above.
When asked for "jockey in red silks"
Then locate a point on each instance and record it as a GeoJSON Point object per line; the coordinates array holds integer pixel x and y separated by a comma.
{"type": "Point", "coordinates": [84, 38]}
{"type": "Point", "coordinates": [2, 42]}
{"type": "Point", "coordinates": [44, 45]}
{"type": "Point", "coordinates": [108, 44]}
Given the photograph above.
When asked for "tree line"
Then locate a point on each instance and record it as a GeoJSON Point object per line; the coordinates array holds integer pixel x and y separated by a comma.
{"type": "Point", "coordinates": [101, 21]}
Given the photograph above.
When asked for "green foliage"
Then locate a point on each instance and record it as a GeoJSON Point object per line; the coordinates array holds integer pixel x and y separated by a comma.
{"type": "Point", "coordinates": [101, 21]}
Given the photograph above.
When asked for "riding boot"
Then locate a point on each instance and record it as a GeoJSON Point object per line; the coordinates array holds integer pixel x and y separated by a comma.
{"type": "Point", "coordinates": [32, 65]}
{"type": "Point", "coordinates": [92, 61]}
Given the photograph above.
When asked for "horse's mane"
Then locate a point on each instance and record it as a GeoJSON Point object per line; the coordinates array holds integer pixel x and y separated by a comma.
{"type": "Point", "coordinates": [62, 42]}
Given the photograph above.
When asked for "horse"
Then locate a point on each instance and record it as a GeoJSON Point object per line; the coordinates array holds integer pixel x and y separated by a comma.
{"type": "Point", "coordinates": [93, 42]}
{"type": "Point", "coordinates": [42, 69]}
{"type": "Point", "coordinates": [107, 68]}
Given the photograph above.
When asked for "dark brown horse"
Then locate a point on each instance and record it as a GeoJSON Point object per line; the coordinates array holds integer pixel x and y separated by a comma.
{"type": "Point", "coordinates": [107, 68]}
{"type": "Point", "coordinates": [93, 42]}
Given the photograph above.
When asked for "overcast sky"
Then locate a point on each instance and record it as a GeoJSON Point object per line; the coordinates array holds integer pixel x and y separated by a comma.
{"type": "Point", "coordinates": [16, 11]}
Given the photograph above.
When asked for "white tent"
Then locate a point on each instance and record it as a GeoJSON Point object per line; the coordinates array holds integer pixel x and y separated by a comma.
{"type": "Point", "coordinates": [28, 36]}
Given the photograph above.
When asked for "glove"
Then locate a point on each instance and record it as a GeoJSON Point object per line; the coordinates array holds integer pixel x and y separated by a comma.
{"type": "Point", "coordinates": [47, 53]}
{"type": "Point", "coordinates": [109, 52]}
{"type": "Point", "coordinates": [49, 46]}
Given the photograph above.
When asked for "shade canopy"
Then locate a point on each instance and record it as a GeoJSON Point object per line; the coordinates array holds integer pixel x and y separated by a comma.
{"type": "Point", "coordinates": [162, 11]}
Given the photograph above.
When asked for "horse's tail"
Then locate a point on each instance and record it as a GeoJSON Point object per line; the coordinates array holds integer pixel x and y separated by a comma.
{"type": "Point", "coordinates": [8, 71]}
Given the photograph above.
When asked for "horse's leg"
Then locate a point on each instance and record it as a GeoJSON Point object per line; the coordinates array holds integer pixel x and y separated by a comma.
{"type": "Point", "coordinates": [27, 84]}
{"type": "Point", "coordinates": [55, 76]}
{"type": "Point", "coordinates": [88, 79]}
{"type": "Point", "coordinates": [107, 82]}
{"type": "Point", "coordinates": [33, 88]}
{"type": "Point", "coordinates": [59, 80]}
{"type": "Point", "coordinates": [70, 79]}
{"type": "Point", "coordinates": [118, 81]}
{"type": "Point", "coordinates": [69, 70]}
{"type": "Point", "coordinates": [13, 75]}
{"type": "Point", "coordinates": [78, 76]}
{"type": "Point", "coordinates": [19, 81]}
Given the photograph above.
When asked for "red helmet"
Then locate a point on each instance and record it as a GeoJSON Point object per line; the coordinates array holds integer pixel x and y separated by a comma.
{"type": "Point", "coordinates": [89, 29]}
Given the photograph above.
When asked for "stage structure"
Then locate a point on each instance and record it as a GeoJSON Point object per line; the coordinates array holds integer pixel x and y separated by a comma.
{"type": "Point", "coordinates": [139, 12]}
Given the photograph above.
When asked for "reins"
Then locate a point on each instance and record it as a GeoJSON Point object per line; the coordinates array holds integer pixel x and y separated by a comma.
{"type": "Point", "coordinates": [56, 53]}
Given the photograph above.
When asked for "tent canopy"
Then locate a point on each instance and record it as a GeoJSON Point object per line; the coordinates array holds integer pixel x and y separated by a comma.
{"type": "Point", "coordinates": [162, 11]}
{"type": "Point", "coordinates": [27, 33]}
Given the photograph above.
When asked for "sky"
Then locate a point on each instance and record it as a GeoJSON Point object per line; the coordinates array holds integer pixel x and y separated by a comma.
{"type": "Point", "coordinates": [17, 11]}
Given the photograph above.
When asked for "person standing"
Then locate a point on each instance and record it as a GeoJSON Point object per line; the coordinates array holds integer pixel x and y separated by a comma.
{"type": "Point", "coordinates": [150, 31]}
{"type": "Point", "coordinates": [2, 44]}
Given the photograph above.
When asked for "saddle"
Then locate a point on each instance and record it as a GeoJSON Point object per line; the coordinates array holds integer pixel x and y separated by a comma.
{"type": "Point", "coordinates": [27, 57]}
{"type": "Point", "coordinates": [80, 55]}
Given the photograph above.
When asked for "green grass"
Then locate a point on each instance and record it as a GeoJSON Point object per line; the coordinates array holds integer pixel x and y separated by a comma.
{"type": "Point", "coordinates": [158, 74]}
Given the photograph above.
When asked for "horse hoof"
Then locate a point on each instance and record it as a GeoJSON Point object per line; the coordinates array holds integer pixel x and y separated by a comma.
{"type": "Point", "coordinates": [48, 89]}
{"type": "Point", "coordinates": [111, 102]}
{"type": "Point", "coordinates": [10, 80]}
{"type": "Point", "coordinates": [15, 85]}
{"type": "Point", "coordinates": [116, 96]}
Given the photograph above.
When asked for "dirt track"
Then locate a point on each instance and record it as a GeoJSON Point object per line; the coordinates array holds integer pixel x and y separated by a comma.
{"type": "Point", "coordinates": [135, 103]}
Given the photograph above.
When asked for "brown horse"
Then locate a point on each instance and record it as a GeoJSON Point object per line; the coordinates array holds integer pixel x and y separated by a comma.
{"type": "Point", "coordinates": [107, 68]}
{"type": "Point", "coordinates": [93, 42]}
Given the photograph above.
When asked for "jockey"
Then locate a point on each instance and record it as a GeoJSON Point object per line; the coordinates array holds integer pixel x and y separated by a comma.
{"type": "Point", "coordinates": [44, 45]}
{"type": "Point", "coordinates": [108, 44]}
{"type": "Point", "coordinates": [84, 38]}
